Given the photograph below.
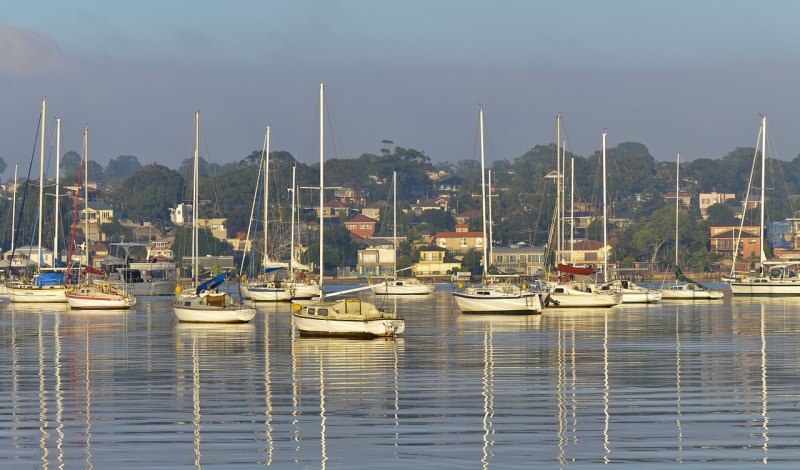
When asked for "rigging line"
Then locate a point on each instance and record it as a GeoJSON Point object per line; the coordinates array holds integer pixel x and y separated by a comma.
{"type": "Point", "coordinates": [209, 174]}
{"type": "Point", "coordinates": [774, 161]}
{"type": "Point", "coordinates": [27, 183]}
{"type": "Point", "coordinates": [332, 127]}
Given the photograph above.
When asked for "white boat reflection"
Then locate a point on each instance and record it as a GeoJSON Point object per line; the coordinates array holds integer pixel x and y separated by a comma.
{"type": "Point", "coordinates": [500, 323]}
{"type": "Point", "coordinates": [330, 365]}
{"type": "Point", "coordinates": [211, 348]}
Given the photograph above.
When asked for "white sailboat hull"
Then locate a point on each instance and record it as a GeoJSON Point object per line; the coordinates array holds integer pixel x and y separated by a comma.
{"type": "Point", "coordinates": [31, 294]}
{"type": "Point", "coordinates": [766, 286]}
{"type": "Point", "coordinates": [568, 297]}
{"type": "Point", "coordinates": [402, 287]}
{"type": "Point", "coordinates": [99, 302]}
{"type": "Point", "coordinates": [193, 309]}
{"type": "Point", "coordinates": [345, 317]}
{"type": "Point", "coordinates": [687, 292]}
{"type": "Point", "coordinates": [328, 327]}
{"type": "Point", "coordinates": [637, 297]}
{"type": "Point", "coordinates": [266, 293]}
{"type": "Point", "coordinates": [302, 290]}
{"type": "Point", "coordinates": [474, 302]}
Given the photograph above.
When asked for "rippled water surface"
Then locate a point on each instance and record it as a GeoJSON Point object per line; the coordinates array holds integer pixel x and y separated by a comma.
{"type": "Point", "coordinates": [704, 384]}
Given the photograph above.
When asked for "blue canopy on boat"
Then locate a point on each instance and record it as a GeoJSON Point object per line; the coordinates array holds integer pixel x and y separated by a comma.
{"type": "Point", "coordinates": [217, 280]}
{"type": "Point", "coordinates": [272, 269]}
{"type": "Point", "coordinates": [50, 279]}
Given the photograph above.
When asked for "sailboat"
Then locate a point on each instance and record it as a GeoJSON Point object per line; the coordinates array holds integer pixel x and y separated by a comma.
{"type": "Point", "coordinates": [571, 293]}
{"type": "Point", "coordinates": [204, 303]}
{"type": "Point", "coordinates": [494, 296]}
{"type": "Point", "coordinates": [395, 285]}
{"type": "Point", "coordinates": [265, 289]}
{"type": "Point", "coordinates": [301, 286]}
{"type": "Point", "coordinates": [5, 275]}
{"type": "Point", "coordinates": [98, 294]}
{"type": "Point", "coordinates": [47, 286]}
{"type": "Point", "coordinates": [683, 288]}
{"type": "Point", "coordinates": [341, 317]}
{"type": "Point", "coordinates": [772, 278]}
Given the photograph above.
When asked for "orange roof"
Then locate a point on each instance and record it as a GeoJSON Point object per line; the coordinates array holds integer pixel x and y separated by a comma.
{"type": "Point", "coordinates": [363, 218]}
{"type": "Point", "coordinates": [459, 235]}
{"type": "Point", "coordinates": [586, 245]}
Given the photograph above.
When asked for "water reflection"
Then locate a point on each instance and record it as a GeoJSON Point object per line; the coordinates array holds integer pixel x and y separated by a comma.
{"type": "Point", "coordinates": [212, 348]}
{"type": "Point", "coordinates": [348, 377]}
{"type": "Point", "coordinates": [696, 384]}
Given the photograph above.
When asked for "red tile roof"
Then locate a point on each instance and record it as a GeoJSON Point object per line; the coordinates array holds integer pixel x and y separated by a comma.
{"type": "Point", "coordinates": [363, 218]}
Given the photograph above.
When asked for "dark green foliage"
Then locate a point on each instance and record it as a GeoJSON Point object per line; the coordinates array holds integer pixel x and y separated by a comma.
{"type": "Point", "coordinates": [339, 249]}
{"type": "Point", "coordinates": [149, 193]}
{"type": "Point", "coordinates": [122, 167]}
{"type": "Point", "coordinates": [206, 244]}
{"type": "Point", "coordinates": [472, 262]}
{"type": "Point", "coordinates": [719, 214]}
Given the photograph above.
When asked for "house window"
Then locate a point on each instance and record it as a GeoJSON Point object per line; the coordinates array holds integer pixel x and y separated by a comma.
{"type": "Point", "coordinates": [463, 242]}
{"type": "Point", "coordinates": [590, 257]}
{"type": "Point", "coordinates": [499, 258]}
{"type": "Point", "coordinates": [512, 258]}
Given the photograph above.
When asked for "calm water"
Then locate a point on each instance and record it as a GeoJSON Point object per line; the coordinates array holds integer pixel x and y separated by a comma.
{"type": "Point", "coordinates": [704, 384]}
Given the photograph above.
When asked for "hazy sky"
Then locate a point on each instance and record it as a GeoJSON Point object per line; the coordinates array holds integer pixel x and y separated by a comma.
{"type": "Point", "coordinates": [687, 77]}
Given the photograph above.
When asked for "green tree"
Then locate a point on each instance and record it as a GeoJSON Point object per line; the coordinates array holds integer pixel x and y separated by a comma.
{"type": "Point", "coordinates": [472, 262]}
{"type": "Point", "coordinates": [719, 214]}
{"type": "Point", "coordinates": [149, 193]}
{"type": "Point", "coordinates": [114, 231]}
{"type": "Point", "coordinates": [122, 167]}
{"type": "Point", "coordinates": [340, 251]}
{"type": "Point", "coordinates": [207, 243]}
{"type": "Point", "coordinates": [70, 166]}
{"type": "Point", "coordinates": [438, 220]}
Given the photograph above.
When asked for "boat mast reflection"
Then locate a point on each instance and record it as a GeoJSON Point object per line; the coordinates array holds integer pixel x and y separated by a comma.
{"type": "Point", "coordinates": [678, 390]}
{"type": "Point", "coordinates": [488, 395]}
{"type": "Point", "coordinates": [607, 415]}
{"type": "Point", "coordinates": [764, 389]}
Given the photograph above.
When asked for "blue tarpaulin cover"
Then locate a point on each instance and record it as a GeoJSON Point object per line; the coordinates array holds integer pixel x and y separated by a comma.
{"type": "Point", "coordinates": [217, 280]}
{"type": "Point", "coordinates": [50, 279]}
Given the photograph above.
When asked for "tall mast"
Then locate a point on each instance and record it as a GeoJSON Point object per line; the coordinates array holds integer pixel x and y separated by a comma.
{"type": "Point", "coordinates": [677, 198]}
{"type": "Point", "coordinates": [572, 209]}
{"type": "Point", "coordinates": [86, 198]}
{"type": "Point", "coordinates": [41, 181]}
{"type": "Point", "coordinates": [321, 188]}
{"type": "Point", "coordinates": [558, 188]}
{"type": "Point", "coordinates": [394, 219]}
{"type": "Point", "coordinates": [483, 196]}
{"type": "Point", "coordinates": [14, 209]}
{"type": "Point", "coordinates": [491, 220]}
{"type": "Point", "coordinates": [266, 195]}
{"type": "Point", "coordinates": [291, 239]}
{"type": "Point", "coordinates": [605, 214]}
{"type": "Point", "coordinates": [58, 179]}
{"type": "Point", "coordinates": [195, 197]}
{"type": "Point", "coordinates": [763, 185]}
{"type": "Point", "coordinates": [562, 178]}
